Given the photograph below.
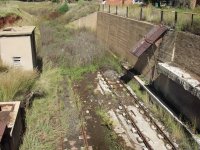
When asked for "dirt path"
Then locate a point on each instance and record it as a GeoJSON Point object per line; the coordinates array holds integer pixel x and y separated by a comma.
{"type": "Point", "coordinates": [101, 136]}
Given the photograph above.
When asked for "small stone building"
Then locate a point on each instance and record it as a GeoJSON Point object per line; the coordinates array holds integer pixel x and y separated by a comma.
{"type": "Point", "coordinates": [17, 47]}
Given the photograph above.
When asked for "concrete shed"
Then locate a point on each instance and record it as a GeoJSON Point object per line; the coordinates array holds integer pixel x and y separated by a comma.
{"type": "Point", "coordinates": [17, 47]}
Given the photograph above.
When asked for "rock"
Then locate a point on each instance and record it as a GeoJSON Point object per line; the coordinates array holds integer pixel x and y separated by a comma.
{"type": "Point", "coordinates": [139, 139]}
{"type": "Point", "coordinates": [123, 114]}
{"type": "Point", "coordinates": [128, 121]}
{"type": "Point", "coordinates": [168, 146]}
{"type": "Point", "coordinates": [120, 107]}
{"type": "Point", "coordinates": [87, 111]}
{"type": "Point", "coordinates": [133, 130]}
{"type": "Point", "coordinates": [160, 136]}
{"type": "Point", "coordinates": [153, 127]}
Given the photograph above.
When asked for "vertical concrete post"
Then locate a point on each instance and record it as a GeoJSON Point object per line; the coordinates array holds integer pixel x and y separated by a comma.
{"type": "Point", "coordinates": [141, 13]}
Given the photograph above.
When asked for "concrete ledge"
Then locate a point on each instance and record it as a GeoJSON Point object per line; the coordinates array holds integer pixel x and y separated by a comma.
{"type": "Point", "coordinates": [181, 77]}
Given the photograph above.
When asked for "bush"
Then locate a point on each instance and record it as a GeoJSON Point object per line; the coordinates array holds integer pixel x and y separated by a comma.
{"type": "Point", "coordinates": [64, 8]}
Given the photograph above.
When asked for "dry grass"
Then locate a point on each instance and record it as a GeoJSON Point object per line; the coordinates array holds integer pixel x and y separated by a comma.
{"type": "Point", "coordinates": [15, 82]}
{"type": "Point", "coordinates": [74, 48]}
{"type": "Point", "coordinates": [44, 124]}
{"type": "Point", "coordinates": [3, 68]}
{"type": "Point", "coordinates": [79, 10]}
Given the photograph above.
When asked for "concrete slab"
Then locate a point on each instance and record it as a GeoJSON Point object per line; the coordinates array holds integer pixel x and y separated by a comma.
{"type": "Point", "coordinates": [181, 77]}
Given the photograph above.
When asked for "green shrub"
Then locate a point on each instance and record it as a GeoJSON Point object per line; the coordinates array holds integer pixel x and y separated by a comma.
{"type": "Point", "coordinates": [64, 8]}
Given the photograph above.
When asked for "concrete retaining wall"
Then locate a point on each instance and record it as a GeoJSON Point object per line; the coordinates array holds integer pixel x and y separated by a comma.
{"type": "Point", "coordinates": [121, 34]}
{"type": "Point", "coordinates": [183, 49]}
{"type": "Point", "coordinates": [179, 100]}
{"type": "Point", "coordinates": [89, 21]}
{"type": "Point", "coordinates": [187, 51]}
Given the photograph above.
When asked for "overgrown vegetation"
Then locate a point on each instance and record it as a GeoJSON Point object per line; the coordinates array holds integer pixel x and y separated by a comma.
{"type": "Point", "coordinates": [67, 55]}
{"type": "Point", "coordinates": [63, 8]}
{"type": "Point", "coordinates": [15, 82]}
{"type": "Point", "coordinates": [82, 9]}
{"type": "Point", "coordinates": [77, 51]}
{"type": "Point", "coordinates": [111, 137]}
{"type": "Point", "coordinates": [173, 127]}
{"type": "Point", "coordinates": [45, 120]}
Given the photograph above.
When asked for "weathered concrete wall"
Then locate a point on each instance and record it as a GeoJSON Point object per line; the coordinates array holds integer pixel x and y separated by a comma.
{"type": "Point", "coordinates": [167, 47]}
{"type": "Point", "coordinates": [180, 100]}
{"type": "Point", "coordinates": [183, 49]}
{"type": "Point", "coordinates": [120, 35]}
{"type": "Point", "coordinates": [89, 21]}
{"type": "Point", "coordinates": [17, 47]}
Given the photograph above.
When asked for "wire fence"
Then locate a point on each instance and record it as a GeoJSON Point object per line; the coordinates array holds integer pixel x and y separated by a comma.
{"type": "Point", "coordinates": [179, 20]}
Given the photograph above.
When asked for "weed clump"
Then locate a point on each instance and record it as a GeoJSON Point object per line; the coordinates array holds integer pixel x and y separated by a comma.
{"type": "Point", "coordinates": [63, 8]}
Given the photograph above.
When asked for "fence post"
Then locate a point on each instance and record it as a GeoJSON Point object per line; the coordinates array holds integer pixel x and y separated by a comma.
{"type": "Point", "coordinates": [141, 13]}
{"type": "Point", "coordinates": [116, 10]}
{"type": "Point", "coordinates": [161, 16]}
{"type": "Point", "coordinates": [99, 7]}
{"type": "Point", "coordinates": [109, 9]}
{"type": "Point", "coordinates": [192, 19]}
{"type": "Point", "coordinates": [175, 17]}
{"type": "Point", "coordinates": [127, 11]}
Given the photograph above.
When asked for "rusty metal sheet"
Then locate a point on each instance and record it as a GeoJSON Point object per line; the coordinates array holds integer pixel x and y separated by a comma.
{"type": "Point", "coordinates": [145, 43]}
{"type": "Point", "coordinates": [2, 129]}
{"type": "Point", "coordinates": [155, 34]}
{"type": "Point", "coordinates": [141, 47]}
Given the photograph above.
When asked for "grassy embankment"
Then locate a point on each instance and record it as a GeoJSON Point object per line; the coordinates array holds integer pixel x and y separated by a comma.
{"type": "Point", "coordinates": [67, 54]}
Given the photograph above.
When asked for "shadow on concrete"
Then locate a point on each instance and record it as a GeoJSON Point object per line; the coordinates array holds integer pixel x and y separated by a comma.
{"type": "Point", "coordinates": [141, 66]}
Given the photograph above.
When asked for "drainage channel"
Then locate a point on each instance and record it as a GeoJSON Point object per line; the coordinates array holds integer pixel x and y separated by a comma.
{"type": "Point", "coordinates": [159, 102]}
{"type": "Point", "coordinates": [150, 138]}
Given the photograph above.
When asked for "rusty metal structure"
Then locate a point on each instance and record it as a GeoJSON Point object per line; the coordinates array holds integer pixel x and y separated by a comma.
{"type": "Point", "coordinates": [10, 125]}
{"type": "Point", "coordinates": [144, 44]}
